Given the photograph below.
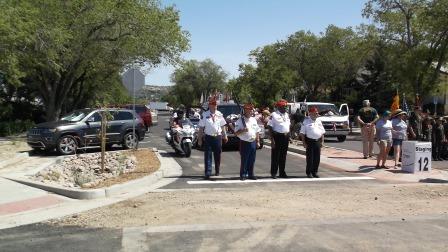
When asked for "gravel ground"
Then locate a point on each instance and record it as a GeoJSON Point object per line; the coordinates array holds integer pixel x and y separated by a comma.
{"type": "Point", "coordinates": [267, 203]}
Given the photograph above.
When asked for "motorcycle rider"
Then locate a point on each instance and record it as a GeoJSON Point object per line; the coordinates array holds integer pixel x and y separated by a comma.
{"type": "Point", "coordinates": [176, 124]}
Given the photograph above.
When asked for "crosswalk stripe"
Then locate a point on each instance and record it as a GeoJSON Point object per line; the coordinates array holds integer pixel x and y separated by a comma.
{"type": "Point", "coordinates": [193, 182]}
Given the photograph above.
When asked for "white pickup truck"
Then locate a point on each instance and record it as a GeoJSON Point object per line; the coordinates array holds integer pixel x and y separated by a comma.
{"type": "Point", "coordinates": [335, 122]}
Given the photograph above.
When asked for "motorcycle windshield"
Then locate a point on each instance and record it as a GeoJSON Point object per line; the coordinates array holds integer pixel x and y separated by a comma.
{"type": "Point", "coordinates": [186, 123]}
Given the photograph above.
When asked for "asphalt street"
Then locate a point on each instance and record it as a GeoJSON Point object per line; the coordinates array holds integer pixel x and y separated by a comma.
{"type": "Point", "coordinates": [193, 167]}
{"type": "Point", "coordinates": [417, 233]}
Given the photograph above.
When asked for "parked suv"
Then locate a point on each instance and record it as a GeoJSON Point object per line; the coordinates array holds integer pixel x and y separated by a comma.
{"type": "Point", "coordinates": [80, 129]}
{"type": "Point", "coordinates": [144, 112]}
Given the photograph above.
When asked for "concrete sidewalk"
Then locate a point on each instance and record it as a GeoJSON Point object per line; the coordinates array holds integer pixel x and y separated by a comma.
{"type": "Point", "coordinates": [353, 162]}
{"type": "Point", "coordinates": [21, 204]}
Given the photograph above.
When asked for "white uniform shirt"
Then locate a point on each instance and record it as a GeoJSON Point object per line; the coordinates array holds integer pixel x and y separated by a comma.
{"type": "Point", "coordinates": [279, 122]}
{"type": "Point", "coordinates": [212, 123]}
{"type": "Point", "coordinates": [252, 129]}
{"type": "Point", "coordinates": [312, 129]}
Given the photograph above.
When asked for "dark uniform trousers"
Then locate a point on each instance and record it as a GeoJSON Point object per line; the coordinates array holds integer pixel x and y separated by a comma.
{"type": "Point", "coordinates": [248, 152]}
{"type": "Point", "coordinates": [312, 156]}
{"type": "Point", "coordinates": [212, 144]}
{"type": "Point", "coordinates": [278, 154]}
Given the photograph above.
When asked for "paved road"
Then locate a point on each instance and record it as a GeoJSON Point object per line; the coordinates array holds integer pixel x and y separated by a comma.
{"type": "Point", "coordinates": [193, 167]}
{"type": "Point", "coordinates": [426, 233]}
{"type": "Point", "coordinates": [416, 233]}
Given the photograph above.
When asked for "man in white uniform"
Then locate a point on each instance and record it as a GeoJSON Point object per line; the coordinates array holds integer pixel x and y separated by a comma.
{"type": "Point", "coordinates": [278, 125]}
{"type": "Point", "coordinates": [212, 125]}
{"type": "Point", "coordinates": [247, 130]}
{"type": "Point", "coordinates": [312, 135]}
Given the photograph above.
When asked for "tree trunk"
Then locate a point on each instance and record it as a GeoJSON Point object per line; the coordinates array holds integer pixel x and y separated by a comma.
{"type": "Point", "coordinates": [52, 108]}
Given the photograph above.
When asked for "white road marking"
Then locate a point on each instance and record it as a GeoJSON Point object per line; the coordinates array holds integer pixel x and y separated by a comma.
{"type": "Point", "coordinates": [144, 142]}
{"type": "Point", "coordinates": [192, 182]}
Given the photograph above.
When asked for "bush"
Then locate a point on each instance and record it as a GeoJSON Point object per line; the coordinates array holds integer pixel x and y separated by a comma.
{"type": "Point", "coordinates": [14, 127]}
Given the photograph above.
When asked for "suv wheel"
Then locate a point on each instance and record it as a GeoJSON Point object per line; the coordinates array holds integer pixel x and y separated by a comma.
{"type": "Point", "coordinates": [67, 145]}
{"type": "Point", "coordinates": [341, 138]}
{"type": "Point", "coordinates": [130, 140]}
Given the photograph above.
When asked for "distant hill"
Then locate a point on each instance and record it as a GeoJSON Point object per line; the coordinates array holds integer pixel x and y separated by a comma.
{"type": "Point", "coordinates": [152, 92]}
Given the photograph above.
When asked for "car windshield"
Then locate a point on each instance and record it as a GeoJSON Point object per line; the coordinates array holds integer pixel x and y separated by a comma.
{"type": "Point", "coordinates": [228, 110]}
{"type": "Point", "coordinates": [76, 115]}
{"type": "Point", "coordinates": [326, 109]}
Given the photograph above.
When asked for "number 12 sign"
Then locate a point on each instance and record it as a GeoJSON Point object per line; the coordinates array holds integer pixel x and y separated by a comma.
{"type": "Point", "coordinates": [416, 156]}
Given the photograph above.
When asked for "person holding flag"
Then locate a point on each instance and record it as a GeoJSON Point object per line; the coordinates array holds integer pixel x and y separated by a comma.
{"type": "Point", "coordinates": [395, 103]}
{"type": "Point", "coordinates": [247, 130]}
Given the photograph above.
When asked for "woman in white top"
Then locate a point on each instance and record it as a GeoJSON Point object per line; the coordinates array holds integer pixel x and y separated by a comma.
{"type": "Point", "coordinates": [384, 138]}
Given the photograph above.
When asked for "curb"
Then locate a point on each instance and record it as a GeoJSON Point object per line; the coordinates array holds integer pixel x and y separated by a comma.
{"type": "Point", "coordinates": [85, 194]}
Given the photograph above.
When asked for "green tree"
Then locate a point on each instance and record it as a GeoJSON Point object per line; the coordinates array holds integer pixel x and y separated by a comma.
{"type": "Point", "coordinates": [305, 65]}
{"type": "Point", "coordinates": [415, 33]}
{"type": "Point", "coordinates": [193, 78]}
{"type": "Point", "coordinates": [64, 48]}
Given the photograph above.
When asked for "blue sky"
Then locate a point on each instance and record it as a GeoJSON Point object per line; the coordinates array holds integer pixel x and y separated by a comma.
{"type": "Point", "coordinates": [227, 30]}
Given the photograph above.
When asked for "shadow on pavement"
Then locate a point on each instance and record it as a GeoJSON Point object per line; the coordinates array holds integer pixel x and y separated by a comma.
{"type": "Point", "coordinates": [364, 169]}
{"type": "Point", "coordinates": [344, 157]}
{"type": "Point", "coordinates": [398, 172]}
{"type": "Point", "coordinates": [432, 180]}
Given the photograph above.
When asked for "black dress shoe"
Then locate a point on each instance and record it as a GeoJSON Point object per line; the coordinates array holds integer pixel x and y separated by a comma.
{"type": "Point", "coordinates": [207, 177]}
{"type": "Point", "coordinates": [315, 175]}
{"type": "Point", "coordinates": [217, 174]}
{"type": "Point", "coordinates": [309, 176]}
{"type": "Point", "coordinates": [242, 178]}
{"type": "Point", "coordinates": [283, 176]}
{"type": "Point", "coordinates": [273, 176]}
{"type": "Point", "coordinates": [252, 178]}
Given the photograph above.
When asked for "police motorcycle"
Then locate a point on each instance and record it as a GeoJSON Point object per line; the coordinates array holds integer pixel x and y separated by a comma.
{"type": "Point", "coordinates": [181, 136]}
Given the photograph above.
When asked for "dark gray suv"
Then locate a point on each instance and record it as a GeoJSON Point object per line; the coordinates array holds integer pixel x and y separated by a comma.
{"type": "Point", "coordinates": [80, 130]}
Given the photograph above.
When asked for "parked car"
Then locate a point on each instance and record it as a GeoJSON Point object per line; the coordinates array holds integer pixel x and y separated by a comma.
{"type": "Point", "coordinates": [144, 112]}
{"type": "Point", "coordinates": [80, 130]}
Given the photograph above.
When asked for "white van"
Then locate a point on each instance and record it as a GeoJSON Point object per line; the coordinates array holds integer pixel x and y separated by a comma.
{"type": "Point", "coordinates": [335, 121]}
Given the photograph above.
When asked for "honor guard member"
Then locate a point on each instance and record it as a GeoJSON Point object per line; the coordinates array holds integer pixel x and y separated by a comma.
{"type": "Point", "coordinates": [278, 125]}
{"type": "Point", "coordinates": [247, 130]}
{"type": "Point", "coordinates": [312, 135]}
{"type": "Point", "coordinates": [212, 125]}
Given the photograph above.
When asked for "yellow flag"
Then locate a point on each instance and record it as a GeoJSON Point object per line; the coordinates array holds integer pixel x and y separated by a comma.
{"type": "Point", "coordinates": [396, 103]}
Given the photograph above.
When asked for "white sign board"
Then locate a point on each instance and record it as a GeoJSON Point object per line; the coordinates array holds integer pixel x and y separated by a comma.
{"type": "Point", "coordinates": [416, 156]}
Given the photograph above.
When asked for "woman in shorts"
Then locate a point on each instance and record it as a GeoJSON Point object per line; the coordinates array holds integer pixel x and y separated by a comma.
{"type": "Point", "coordinates": [384, 138]}
{"type": "Point", "coordinates": [399, 133]}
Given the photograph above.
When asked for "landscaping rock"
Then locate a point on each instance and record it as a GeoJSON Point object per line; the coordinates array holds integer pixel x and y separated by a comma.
{"type": "Point", "coordinates": [85, 170]}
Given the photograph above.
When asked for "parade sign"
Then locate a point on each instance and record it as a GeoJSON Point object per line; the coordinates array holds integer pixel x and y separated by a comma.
{"type": "Point", "coordinates": [416, 156]}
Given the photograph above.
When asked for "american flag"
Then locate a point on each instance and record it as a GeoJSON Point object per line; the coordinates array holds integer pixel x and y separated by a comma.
{"type": "Point", "coordinates": [404, 105]}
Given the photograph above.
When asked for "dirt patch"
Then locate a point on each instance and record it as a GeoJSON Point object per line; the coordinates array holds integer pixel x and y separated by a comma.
{"type": "Point", "coordinates": [267, 203]}
{"type": "Point", "coordinates": [147, 163]}
{"type": "Point", "coordinates": [11, 147]}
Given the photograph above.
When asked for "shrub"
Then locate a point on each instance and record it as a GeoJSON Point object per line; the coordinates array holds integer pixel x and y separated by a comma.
{"type": "Point", "coordinates": [8, 128]}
